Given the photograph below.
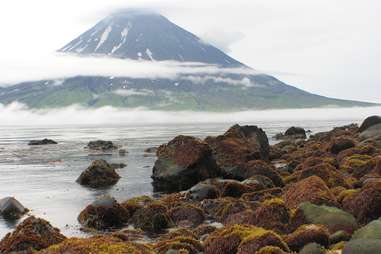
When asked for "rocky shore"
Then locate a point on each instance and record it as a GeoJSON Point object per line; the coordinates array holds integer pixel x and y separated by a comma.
{"type": "Point", "coordinates": [233, 193]}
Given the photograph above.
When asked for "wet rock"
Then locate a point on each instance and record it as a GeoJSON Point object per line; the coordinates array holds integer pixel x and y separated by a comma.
{"type": "Point", "coordinates": [41, 142]}
{"type": "Point", "coordinates": [103, 214]}
{"type": "Point", "coordinates": [99, 174]}
{"type": "Point", "coordinates": [11, 209]}
{"type": "Point", "coordinates": [341, 144]}
{"type": "Point", "coordinates": [365, 204]}
{"type": "Point", "coordinates": [31, 235]}
{"type": "Point", "coordinates": [362, 246]}
{"type": "Point", "coordinates": [333, 218]}
{"type": "Point", "coordinates": [151, 218]}
{"type": "Point", "coordinates": [187, 215]}
{"type": "Point", "coordinates": [307, 234]}
{"type": "Point", "coordinates": [242, 239]}
{"type": "Point", "coordinates": [238, 145]}
{"type": "Point", "coordinates": [98, 245]}
{"type": "Point", "coordinates": [122, 152]}
{"type": "Point", "coordinates": [101, 145]}
{"type": "Point", "coordinates": [203, 191]}
{"type": "Point", "coordinates": [182, 163]}
{"type": "Point", "coordinates": [292, 133]}
{"type": "Point", "coordinates": [369, 122]}
{"type": "Point", "coordinates": [312, 189]}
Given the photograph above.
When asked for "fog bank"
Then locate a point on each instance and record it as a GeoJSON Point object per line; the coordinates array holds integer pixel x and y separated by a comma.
{"type": "Point", "coordinates": [18, 114]}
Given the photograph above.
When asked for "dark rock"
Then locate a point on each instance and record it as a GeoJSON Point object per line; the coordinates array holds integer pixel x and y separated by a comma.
{"type": "Point", "coordinates": [101, 145]}
{"type": "Point", "coordinates": [292, 131]}
{"type": "Point", "coordinates": [341, 144]}
{"type": "Point", "coordinates": [373, 133]}
{"type": "Point", "coordinates": [239, 145]}
{"type": "Point", "coordinates": [369, 122]}
{"type": "Point", "coordinates": [122, 152]}
{"type": "Point", "coordinates": [182, 163]}
{"type": "Point", "coordinates": [98, 174]}
{"type": "Point", "coordinates": [31, 235]}
{"type": "Point", "coordinates": [151, 150]}
{"type": "Point", "coordinates": [103, 214]}
{"type": "Point", "coordinates": [339, 236]}
{"type": "Point", "coordinates": [12, 209]}
{"type": "Point", "coordinates": [42, 142]}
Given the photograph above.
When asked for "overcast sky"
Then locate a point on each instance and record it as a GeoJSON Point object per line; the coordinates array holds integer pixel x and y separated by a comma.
{"type": "Point", "coordinates": [329, 47]}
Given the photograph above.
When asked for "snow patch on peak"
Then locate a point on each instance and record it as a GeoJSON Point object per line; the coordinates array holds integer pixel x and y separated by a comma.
{"type": "Point", "coordinates": [104, 36]}
{"type": "Point", "coordinates": [123, 39]}
{"type": "Point", "coordinates": [149, 54]}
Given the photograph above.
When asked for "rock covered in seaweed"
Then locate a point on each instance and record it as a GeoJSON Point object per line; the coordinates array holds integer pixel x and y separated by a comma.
{"type": "Point", "coordinates": [31, 235]}
{"type": "Point", "coordinates": [98, 174]}
{"type": "Point", "coordinates": [182, 163]}
{"type": "Point", "coordinates": [103, 214]}
{"type": "Point", "coordinates": [41, 142]}
{"type": "Point", "coordinates": [101, 145]}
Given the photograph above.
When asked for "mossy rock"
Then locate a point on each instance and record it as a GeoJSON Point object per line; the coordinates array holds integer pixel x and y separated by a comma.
{"type": "Point", "coordinates": [313, 248]}
{"type": "Point", "coordinates": [242, 239]}
{"type": "Point", "coordinates": [333, 218]}
{"type": "Point", "coordinates": [271, 250]}
{"type": "Point", "coordinates": [98, 245]}
{"type": "Point", "coordinates": [189, 244]}
{"type": "Point", "coordinates": [306, 234]}
{"type": "Point", "coordinates": [362, 246]}
{"type": "Point", "coordinates": [371, 231]}
{"type": "Point", "coordinates": [151, 218]}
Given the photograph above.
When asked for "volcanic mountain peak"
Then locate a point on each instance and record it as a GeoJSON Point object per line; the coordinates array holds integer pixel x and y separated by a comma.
{"type": "Point", "coordinates": [142, 35]}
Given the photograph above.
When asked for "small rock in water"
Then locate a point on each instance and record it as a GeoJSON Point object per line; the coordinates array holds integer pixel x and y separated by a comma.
{"type": "Point", "coordinates": [122, 152]}
{"type": "Point", "coordinates": [151, 150]}
{"type": "Point", "coordinates": [42, 142]}
{"type": "Point", "coordinates": [101, 145]}
{"type": "Point", "coordinates": [10, 208]}
{"type": "Point", "coordinates": [98, 174]}
{"type": "Point", "coordinates": [118, 165]}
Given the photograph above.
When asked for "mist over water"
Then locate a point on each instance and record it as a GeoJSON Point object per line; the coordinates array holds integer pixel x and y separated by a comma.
{"type": "Point", "coordinates": [18, 114]}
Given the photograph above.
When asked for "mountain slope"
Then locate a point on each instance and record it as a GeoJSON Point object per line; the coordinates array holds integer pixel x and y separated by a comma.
{"type": "Point", "coordinates": [151, 37]}
{"type": "Point", "coordinates": [147, 36]}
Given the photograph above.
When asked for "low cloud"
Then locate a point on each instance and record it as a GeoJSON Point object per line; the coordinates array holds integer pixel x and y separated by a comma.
{"type": "Point", "coordinates": [18, 114]}
{"type": "Point", "coordinates": [59, 66]}
{"type": "Point", "coordinates": [222, 39]}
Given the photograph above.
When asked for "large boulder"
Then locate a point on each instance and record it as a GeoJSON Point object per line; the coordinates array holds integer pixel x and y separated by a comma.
{"type": "Point", "coordinates": [312, 189]}
{"type": "Point", "coordinates": [238, 145]}
{"type": "Point", "coordinates": [369, 122]}
{"type": "Point", "coordinates": [332, 218]}
{"type": "Point", "coordinates": [99, 174]}
{"type": "Point", "coordinates": [44, 141]}
{"type": "Point", "coordinates": [182, 163]}
{"type": "Point", "coordinates": [101, 145]}
{"type": "Point", "coordinates": [31, 235]}
{"type": "Point", "coordinates": [12, 209]}
{"type": "Point", "coordinates": [103, 214]}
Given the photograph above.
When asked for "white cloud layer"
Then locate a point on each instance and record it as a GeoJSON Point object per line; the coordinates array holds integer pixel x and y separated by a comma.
{"type": "Point", "coordinates": [18, 114]}
{"type": "Point", "coordinates": [58, 66]}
